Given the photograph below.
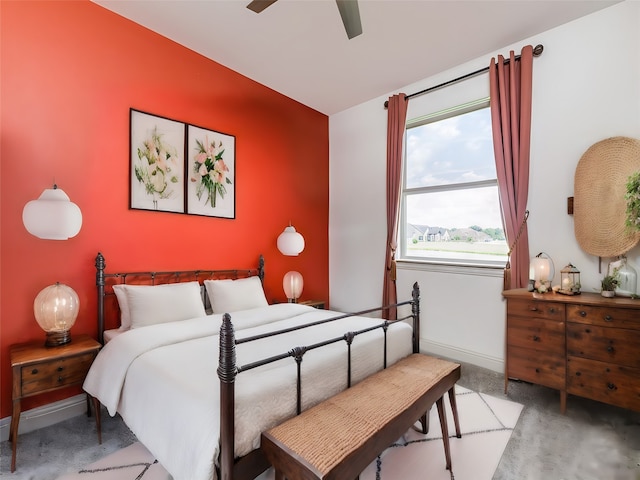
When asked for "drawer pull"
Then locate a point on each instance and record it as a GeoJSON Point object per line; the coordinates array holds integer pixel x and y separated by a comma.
{"type": "Point", "coordinates": [60, 379]}
{"type": "Point", "coordinates": [533, 308]}
{"type": "Point", "coordinates": [578, 374]}
{"type": "Point", "coordinates": [60, 369]}
{"type": "Point", "coordinates": [610, 349]}
{"type": "Point", "coordinates": [611, 386]}
{"type": "Point", "coordinates": [537, 370]}
{"type": "Point", "coordinates": [608, 318]}
{"type": "Point", "coordinates": [34, 371]}
{"type": "Point", "coordinates": [536, 338]}
{"type": "Point", "coordinates": [587, 330]}
{"type": "Point", "coordinates": [583, 313]}
{"type": "Point", "coordinates": [552, 310]}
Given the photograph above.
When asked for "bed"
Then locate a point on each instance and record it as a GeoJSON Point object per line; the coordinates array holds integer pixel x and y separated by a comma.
{"type": "Point", "coordinates": [198, 364]}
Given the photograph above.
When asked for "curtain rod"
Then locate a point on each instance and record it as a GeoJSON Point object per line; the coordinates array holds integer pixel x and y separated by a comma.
{"type": "Point", "coordinates": [537, 51]}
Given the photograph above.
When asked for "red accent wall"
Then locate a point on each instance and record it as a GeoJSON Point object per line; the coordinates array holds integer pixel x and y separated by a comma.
{"type": "Point", "coordinates": [70, 73]}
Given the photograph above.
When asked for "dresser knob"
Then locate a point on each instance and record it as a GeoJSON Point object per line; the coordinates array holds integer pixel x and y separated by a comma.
{"type": "Point", "coordinates": [578, 374]}
{"type": "Point", "coordinates": [536, 338]}
{"type": "Point", "coordinates": [533, 308]}
{"type": "Point", "coordinates": [610, 349]}
{"type": "Point", "coordinates": [587, 330]}
{"type": "Point", "coordinates": [611, 386]}
{"type": "Point", "coordinates": [34, 371]}
{"type": "Point", "coordinates": [608, 318]}
{"type": "Point", "coordinates": [60, 379]}
{"type": "Point", "coordinates": [537, 370]}
{"type": "Point", "coordinates": [552, 310]}
{"type": "Point", "coordinates": [583, 313]}
{"type": "Point", "coordinates": [60, 369]}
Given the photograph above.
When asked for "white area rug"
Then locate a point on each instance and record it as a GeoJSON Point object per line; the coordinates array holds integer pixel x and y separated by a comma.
{"type": "Point", "coordinates": [486, 424]}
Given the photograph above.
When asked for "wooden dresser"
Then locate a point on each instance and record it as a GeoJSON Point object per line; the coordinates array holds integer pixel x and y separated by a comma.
{"type": "Point", "coordinates": [585, 345]}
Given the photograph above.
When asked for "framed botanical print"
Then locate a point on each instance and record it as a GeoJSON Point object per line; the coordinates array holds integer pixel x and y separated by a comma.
{"type": "Point", "coordinates": [156, 163]}
{"type": "Point", "coordinates": [211, 182]}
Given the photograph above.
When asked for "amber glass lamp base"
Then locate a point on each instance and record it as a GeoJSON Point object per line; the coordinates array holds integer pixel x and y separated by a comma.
{"type": "Point", "coordinates": [55, 339]}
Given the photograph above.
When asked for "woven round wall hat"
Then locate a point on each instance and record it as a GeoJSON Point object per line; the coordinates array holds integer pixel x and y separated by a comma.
{"type": "Point", "coordinates": [599, 206]}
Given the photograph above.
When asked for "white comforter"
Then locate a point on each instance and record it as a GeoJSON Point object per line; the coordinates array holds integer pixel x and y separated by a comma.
{"type": "Point", "coordinates": [162, 379]}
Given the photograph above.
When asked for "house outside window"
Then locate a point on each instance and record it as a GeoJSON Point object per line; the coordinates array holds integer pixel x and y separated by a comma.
{"type": "Point", "coordinates": [450, 210]}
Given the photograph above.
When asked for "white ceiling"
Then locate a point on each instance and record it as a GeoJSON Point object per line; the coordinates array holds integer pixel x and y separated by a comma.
{"type": "Point", "coordinates": [300, 49]}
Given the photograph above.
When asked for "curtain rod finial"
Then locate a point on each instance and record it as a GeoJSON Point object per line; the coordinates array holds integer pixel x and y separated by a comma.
{"type": "Point", "coordinates": [537, 50]}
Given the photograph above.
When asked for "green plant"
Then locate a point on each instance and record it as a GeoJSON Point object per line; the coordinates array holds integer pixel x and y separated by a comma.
{"type": "Point", "coordinates": [610, 282]}
{"type": "Point", "coordinates": [632, 196]}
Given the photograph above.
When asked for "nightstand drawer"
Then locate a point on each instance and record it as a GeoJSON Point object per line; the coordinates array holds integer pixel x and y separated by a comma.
{"type": "Point", "coordinates": [40, 377]}
{"type": "Point", "coordinates": [319, 304]}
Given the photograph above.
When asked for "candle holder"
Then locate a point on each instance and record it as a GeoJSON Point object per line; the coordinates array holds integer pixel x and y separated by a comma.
{"type": "Point", "coordinates": [569, 280]}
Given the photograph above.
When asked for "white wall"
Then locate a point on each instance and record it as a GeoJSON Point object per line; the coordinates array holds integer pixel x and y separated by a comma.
{"type": "Point", "coordinates": [586, 88]}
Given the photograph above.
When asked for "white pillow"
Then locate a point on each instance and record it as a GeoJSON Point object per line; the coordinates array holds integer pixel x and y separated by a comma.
{"type": "Point", "coordinates": [123, 303]}
{"type": "Point", "coordinates": [149, 305]}
{"type": "Point", "coordinates": [233, 295]}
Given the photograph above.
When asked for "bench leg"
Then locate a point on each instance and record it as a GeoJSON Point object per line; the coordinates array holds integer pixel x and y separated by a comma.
{"type": "Point", "coordinates": [454, 410]}
{"type": "Point", "coordinates": [424, 422]}
{"type": "Point", "coordinates": [445, 431]}
{"type": "Point", "coordinates": [279, 475]}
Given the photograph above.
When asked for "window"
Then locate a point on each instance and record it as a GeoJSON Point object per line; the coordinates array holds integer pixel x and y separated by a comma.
{"type": "Point", "coordinates": [450, 209]}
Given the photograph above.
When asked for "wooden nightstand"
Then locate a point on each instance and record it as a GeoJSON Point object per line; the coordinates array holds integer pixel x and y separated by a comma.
{"type": "Point", "coordinates": [38, 369]}
{"type": "Point", "coordinates": [314, 303]}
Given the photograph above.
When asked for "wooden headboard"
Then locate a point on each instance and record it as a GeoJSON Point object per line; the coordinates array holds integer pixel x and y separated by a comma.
{"type": "Point", "coordinates": [108, 311]}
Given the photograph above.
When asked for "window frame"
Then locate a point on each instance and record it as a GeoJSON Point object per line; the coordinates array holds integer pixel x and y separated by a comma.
{"type": "Point", "coordinates": [481, 267]}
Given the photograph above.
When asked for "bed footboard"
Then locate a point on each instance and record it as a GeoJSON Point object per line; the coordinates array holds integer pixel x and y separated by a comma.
{"type": "Point", "coordinates": [254, 463]}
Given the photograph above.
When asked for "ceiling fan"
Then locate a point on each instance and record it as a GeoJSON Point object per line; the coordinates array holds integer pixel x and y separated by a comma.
{"type": "Point", "coordinates": [349, 12]}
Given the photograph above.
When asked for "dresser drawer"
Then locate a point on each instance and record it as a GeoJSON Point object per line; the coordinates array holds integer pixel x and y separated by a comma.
{"type": "Point", "coordinates": [536, 367]}
{"type": "Point", "coordinates": [616, 385]}
{"type": "Point", "coordinates": [541, 335]}
{"type": "Point", "coordinates": [536, 309]}
{"type": "Point", "coordinates": [40, 377]}
{"type": "Point", "coordinates": [605, 316]}
{"type": "Point", "coordinates": [614, 345]}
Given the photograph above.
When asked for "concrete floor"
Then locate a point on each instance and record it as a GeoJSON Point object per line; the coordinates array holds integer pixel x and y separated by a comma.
{"type": "Point", "coordinates": [592, 441]}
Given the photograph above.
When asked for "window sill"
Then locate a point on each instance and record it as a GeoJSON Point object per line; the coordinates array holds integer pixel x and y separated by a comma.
{"type": "Point", "coordinates": [454, 268]}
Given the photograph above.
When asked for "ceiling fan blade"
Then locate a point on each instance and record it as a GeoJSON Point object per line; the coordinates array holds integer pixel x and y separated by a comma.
{"type": "Point", "coordinates": [350, 14]}
{"type": "Point", "coordinates": [259, 5]}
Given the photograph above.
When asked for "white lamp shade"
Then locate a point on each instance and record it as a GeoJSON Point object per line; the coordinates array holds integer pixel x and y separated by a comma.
{"type": "Point", "coordinates": [290, 242]}
{"type": "Point", "coordinates": [292, 284]}
{"type": "Point", "coordinates": [541, 269]}
{"type": "Point", "coordinates": [52, 216]}
{"type": "Point", "coordinates": [56, 309]}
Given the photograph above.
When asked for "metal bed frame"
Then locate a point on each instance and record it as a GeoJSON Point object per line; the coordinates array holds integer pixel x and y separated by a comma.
{"type": "Point", "coordinates": [254, 463]}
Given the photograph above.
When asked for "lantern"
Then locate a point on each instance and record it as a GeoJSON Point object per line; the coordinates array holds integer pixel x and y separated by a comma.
{"type": "Point", "coordinates": [569, 280]}
{"type": "Point", "coordinates": [541, 272]}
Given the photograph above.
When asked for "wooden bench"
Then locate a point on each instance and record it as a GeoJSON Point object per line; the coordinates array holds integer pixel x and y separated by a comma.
{"type": "Point", "coordinates": [340, 436]}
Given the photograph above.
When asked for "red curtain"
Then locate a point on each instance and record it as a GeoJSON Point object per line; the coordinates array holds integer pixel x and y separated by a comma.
{"type": "Point", "coordinates": [511, 94]}
{"type": "Point", "coordinates": [396, 121]}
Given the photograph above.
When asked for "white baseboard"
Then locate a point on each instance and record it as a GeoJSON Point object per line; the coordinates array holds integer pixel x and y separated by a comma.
{"type": "Point", "coordinates": [45, 415]}
{"type": "Point", "coordinates": [453, 353]}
